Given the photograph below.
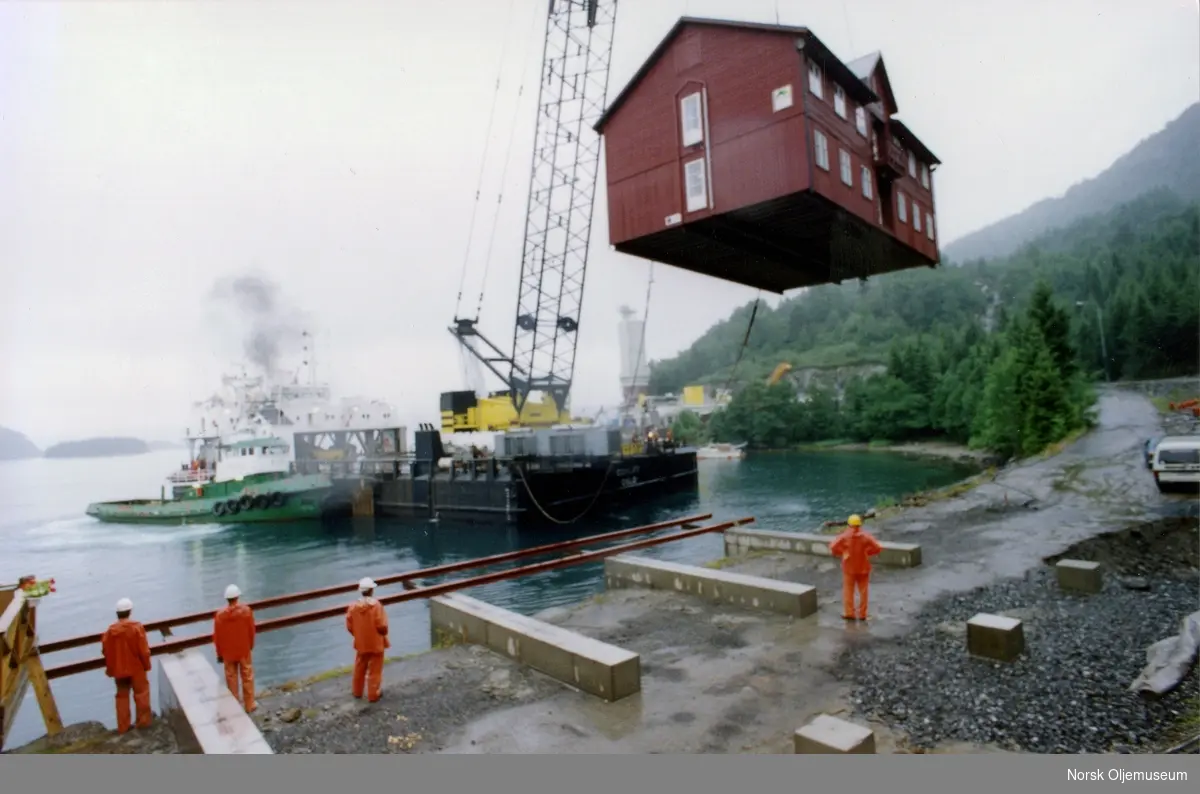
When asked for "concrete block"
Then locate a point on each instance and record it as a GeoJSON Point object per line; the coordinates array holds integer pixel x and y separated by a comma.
{"type": "Point", "coordinates": [995, 637]}
{"type": "Point", "coordinates": [592, 666]}
{"type": "Point", "coordinates": [204, 715]}
{"type": "Point", "coordinates": [830, 735]}
{"type": "Point", "coordinates": [721, 587]}
{"type": "Point", "coordinates": [740, 541]}
{"type": "Point", "coordinates": [1079, 576]}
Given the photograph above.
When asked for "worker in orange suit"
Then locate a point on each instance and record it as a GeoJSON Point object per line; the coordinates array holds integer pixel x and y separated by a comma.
{"type": "Point", "coordinates": [367, 622]}
{"type": "Point", "coordinates": [856, 548]}
{"type": "Point", "coordinates": [127, 661]}
{"type": "Point", "coordinates": [233, 639]}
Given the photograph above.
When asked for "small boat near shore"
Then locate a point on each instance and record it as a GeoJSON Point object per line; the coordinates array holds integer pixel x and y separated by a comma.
{"type": "Point", "coordinates": [721, 452]}
{"type": "Point", "coordinates": [248, 477]}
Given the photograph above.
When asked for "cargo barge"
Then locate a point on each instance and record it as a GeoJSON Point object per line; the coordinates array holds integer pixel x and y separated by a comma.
{"type": "Point", "coordinates": [554, 475]}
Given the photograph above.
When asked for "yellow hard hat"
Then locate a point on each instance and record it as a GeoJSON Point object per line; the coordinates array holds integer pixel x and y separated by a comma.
{"type": "Point", "coordinates": [855, 521]}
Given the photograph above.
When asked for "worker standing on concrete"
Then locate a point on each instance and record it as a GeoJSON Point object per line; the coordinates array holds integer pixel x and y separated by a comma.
{"type": "Point", "coordinates": [855, 547]}
{"type": "Point", "coordinates": [233, 638]}
{"type": "Point", "coordinates": [127, 661]}
{"type": "Point", "coordinates": [367, 622]}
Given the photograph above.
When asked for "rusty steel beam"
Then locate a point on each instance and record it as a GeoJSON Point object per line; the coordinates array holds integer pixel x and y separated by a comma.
{"type": "Point", "coordinates": [400, 578]}
{"type": "Point", "coordinates": [577, 558]}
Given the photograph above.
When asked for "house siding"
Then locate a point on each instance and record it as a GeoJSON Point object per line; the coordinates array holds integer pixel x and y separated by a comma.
{"type": "Point", "coordinates": [756, 153]}
{"type": "Point", "coordinates": [842, 134]}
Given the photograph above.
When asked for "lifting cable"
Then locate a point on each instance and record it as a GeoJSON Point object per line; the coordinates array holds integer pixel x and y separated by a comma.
{"type": "Point", "coordinates": [482, 167]}
{"type": "Point", "coordinates": [611, 463]}
{"type": "Point", "coordinates": [745, 341]}
{"type": "Point", "coordinates": [512, 131]}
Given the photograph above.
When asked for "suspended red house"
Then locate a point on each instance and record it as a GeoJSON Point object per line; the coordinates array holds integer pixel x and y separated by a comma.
{"type": "Point", "coordinates": [751, 153]}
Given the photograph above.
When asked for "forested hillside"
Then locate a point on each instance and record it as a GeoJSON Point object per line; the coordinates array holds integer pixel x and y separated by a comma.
{"type": "Point", "coordinates": [1170, 159]}
{"type": "Point", "coordinates": [995, 354]}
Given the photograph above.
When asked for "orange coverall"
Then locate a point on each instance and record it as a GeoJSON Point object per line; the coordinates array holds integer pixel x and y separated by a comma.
{"type": "Point", "coordinates": [855, 547]}
{"type": "Point", "coordinates": [367, 621]}
{"type": "Point", "coordinates": [127, 661]}
{"type": "Point", "coordinates": [233, 638]}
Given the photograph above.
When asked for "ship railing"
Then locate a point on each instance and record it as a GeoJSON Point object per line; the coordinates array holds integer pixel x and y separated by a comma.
{"type": "Point", "coordinates": [18, 617]}
{"type": "Point", "coordinates": [483, 467]}
{"type": "Point", "coordinates": [191, 475]}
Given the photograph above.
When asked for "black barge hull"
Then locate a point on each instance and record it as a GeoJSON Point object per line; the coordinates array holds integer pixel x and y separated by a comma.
{"type": "Point", "coordinates": [537, 490]}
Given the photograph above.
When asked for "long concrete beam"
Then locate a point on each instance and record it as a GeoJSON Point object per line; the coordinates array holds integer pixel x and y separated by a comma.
{"type": "Point", "coordinates": [590, 665]}
{"type": "Point", "coordinates": [739, 541]}
{"type": "Point", "coordinates": [722, 587]}
{"type": "Point", "coordinates": [203, 713]}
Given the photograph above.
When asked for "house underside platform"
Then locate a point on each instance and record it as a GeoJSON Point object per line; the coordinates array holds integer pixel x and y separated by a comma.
{"type": "Point", "coordinates": [801, 240]}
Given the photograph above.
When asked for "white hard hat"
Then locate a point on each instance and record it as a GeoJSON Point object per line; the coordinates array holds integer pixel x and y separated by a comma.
{"type": "Point", "coordinates": [124, 605]}
{"type": "Point", "coordinates": [232, 592]}
{"type": "Point", "coordinates": [366, 583]}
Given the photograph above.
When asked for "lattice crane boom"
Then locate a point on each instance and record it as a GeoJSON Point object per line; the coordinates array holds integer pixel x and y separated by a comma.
{"type": "Point", "coordinates": [566, 166]}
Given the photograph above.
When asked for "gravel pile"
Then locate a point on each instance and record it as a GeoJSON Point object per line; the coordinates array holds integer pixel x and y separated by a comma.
{"type": "Point", "coordinates": [1067, 694]}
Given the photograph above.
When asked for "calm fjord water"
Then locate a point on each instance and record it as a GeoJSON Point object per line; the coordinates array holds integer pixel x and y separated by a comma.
{"type": "Point", "coordinates": [175, 570]}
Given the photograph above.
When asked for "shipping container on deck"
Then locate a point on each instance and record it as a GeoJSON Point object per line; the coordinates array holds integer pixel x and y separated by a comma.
{"type": "Point", "coordinates": [751, 153]}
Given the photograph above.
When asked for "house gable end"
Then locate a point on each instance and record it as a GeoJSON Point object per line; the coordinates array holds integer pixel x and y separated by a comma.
{"type": "Point", "coordinates": [809, 44]}
{"type": "Point", "coordinates": [885, 87]}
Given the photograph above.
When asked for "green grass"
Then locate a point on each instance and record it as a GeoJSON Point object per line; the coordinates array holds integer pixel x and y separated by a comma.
{"type": "Point", "coordinates": [337, 672]}
{"type": "Point", "coordinates": [1163, 404]}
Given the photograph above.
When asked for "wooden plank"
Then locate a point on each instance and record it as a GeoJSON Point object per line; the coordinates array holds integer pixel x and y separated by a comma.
{"type": "Point", "coordinates": [36, 674]}
{"type": "Point", "coordinates": [20, 682]}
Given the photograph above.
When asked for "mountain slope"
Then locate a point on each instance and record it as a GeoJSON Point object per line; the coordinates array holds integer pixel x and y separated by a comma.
{"type": "Point", "coordinates": [1168, 159]}
{"type": "Point", "coordinates": [1134, 269]}
{"type": "Point", "coordinates": [15, 446]}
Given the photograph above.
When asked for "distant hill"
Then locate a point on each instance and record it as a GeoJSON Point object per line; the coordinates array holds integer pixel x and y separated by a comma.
{"type": "Point", "coordinates": [1167, 159]}
{"type": "Point", "coordinates": [98, 448]}
{"type": "Point", "coordinates": [15, 446]}
{"type": "Point", "coordinates": [156, 446]}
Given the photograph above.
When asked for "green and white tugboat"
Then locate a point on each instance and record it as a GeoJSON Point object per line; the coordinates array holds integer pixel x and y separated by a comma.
{"type": "Point", "coordinates": [244, 477]}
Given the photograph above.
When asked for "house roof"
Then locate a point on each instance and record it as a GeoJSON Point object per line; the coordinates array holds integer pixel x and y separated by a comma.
{"type": "Point", "coordinates": [853, 84]}
{"type": "Point", "coordinates": [865, 66]}
{"type": "Point", "coordinates": [862, 67]}
{"type": "Point", "coordinates": [906, 137]}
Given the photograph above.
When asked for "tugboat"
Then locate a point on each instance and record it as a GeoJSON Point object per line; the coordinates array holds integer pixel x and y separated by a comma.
{"type": "Point", "coordinates": [246, 477]}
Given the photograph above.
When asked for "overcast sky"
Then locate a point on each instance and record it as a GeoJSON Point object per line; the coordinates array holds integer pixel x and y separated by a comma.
{"type": "Point", "coordinates": [149, 149]}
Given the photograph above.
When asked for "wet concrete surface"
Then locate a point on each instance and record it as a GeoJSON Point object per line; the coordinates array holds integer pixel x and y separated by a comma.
{"type": "Point", "coordinates": [721, 679]}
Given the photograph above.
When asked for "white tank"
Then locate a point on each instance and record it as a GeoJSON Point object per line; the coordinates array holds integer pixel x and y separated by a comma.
{"type": "Point", "coordinates": [635, 373]}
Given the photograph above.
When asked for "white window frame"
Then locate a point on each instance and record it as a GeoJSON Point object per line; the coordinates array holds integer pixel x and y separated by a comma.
{"type": "Point", "coordinates": [846, 166]}
{"type": "Point", "coordinates": [839, 100]}
{"type": "Point", "coordinates": [924, 176]}
{"type": "Point", "coordinates": [821, 150]}
{"type": "Point", "coordinates": [901, 208]}
{"type": "Point", "coordinates": [860, 120]}
{"type": "Point", "coordinates": [816, 80]}
{"type": "Point", "coordinates": [695, 170]}
{"type": "Point", "coordinates": [864, 175]}
{"type": "Point", "coordinates": [929, 225]}
{"type": "Point", "coordinates": [916, 217]}
{"type": "Point", "coordinates": [691, 136]}
{"type": "Point", "coordinates": [912, 165]}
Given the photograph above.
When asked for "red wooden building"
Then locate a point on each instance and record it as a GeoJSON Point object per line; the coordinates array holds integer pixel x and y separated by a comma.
{"type": "Point", "coordinates": [751, 153]}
